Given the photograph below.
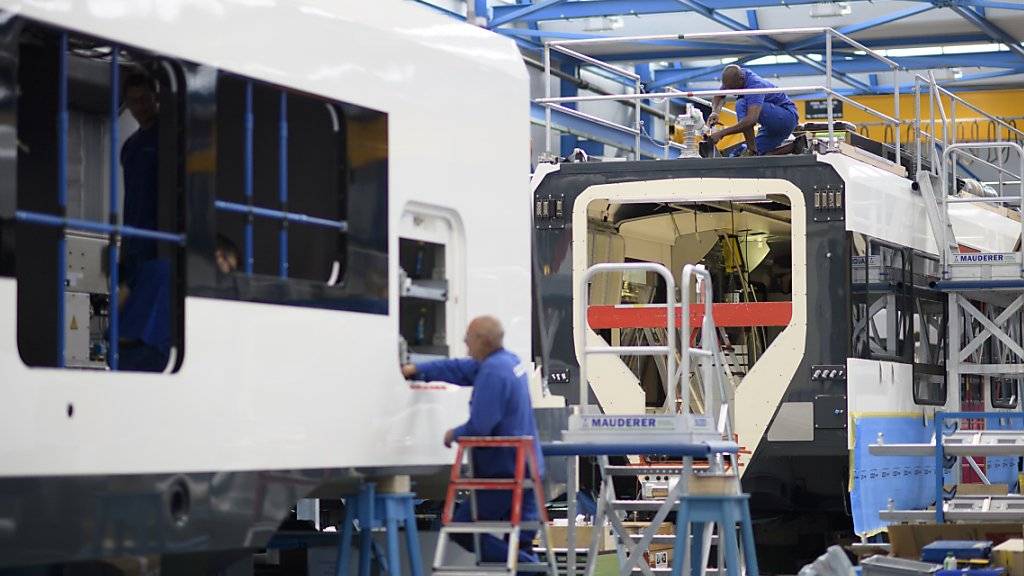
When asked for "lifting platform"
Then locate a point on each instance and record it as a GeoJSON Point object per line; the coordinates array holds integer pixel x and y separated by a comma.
{"type": "Point", "coordinates": [703, 499]}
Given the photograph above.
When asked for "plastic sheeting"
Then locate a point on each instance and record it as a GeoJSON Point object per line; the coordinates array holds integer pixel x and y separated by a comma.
{"type": "Point", "coordinates": [908, 480]}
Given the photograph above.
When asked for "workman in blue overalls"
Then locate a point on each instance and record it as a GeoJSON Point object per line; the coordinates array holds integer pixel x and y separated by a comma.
{"type": "Point", "coordinates": [774, 111]}
{"type": "Point", "coordinates": [500, 406]}
{"type": "Point", "coordinates": [144, 334]}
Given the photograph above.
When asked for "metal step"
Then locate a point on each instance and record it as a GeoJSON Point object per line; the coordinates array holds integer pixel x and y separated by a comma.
{"type": "Point", "coordinates": [649, 470]}
{"type": "Point", "coordinates": [1009, 508]}
{"type": "Point", "coordinates": [464, 570]}
{"type": "Point", "coordinates": [638, 505]}
{"type": "Point", "coordinates": [532, 567]}
{"type": "Point", "coordinates": [657, 538]}
{"type": "Point", "coordinates": [963, 443]}
{"type": "Point", "coordinates": [486, 527]}
{"type": "Point", "coordinates": [942, 230]}
{"type": "Point", "coordinates": [490, 484]}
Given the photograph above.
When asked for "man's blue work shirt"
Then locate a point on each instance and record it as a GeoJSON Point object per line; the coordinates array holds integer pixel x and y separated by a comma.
{"type": "Point", "coordinates": [751, 81]}
{"type": "Point", "coordinates": [140, 162]}
{"type": "Point", "coordinates": [500, 406]}
{"type": "Point", "coordinates": [146, 315]}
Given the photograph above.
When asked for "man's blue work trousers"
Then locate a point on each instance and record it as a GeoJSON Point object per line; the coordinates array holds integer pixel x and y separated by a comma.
{"type": "Point", "coordinates": [777, 123]}
{"type": "Point", "coordinates": [496, 505]}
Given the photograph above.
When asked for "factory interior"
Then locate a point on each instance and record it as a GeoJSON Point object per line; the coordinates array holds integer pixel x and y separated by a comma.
{"type": "Point", "coordinates": [509, 287]}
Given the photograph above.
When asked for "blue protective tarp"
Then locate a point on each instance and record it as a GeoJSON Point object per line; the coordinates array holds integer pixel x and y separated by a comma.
{"type": "Point", "coordinates": [908, 480]}
{"type": "Point", "coordinates": [1003, 469]}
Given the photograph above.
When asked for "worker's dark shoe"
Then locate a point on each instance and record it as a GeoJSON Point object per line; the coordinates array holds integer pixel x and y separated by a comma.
{"type": "Point", "coordinates": [800, 144]}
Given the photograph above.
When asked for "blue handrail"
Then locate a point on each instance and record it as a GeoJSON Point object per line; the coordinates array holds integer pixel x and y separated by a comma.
{"type": "Point", "coordinates": [282, 183]}
{"type": "Point", "coordinates": [98, 227]}
{"type": "Point", "coordinates": [248, 170]}
{"type": "Point", "coordinates": [115, 312]}
{"type": "Point", "coordinates": [340, 225]}
{"type": "Point", "coordinates": [62, 185]}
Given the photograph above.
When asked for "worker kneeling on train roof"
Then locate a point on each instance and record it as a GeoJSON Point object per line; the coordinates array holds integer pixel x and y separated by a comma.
{"type": "Point", "coordinates": [774, 111]}
{"type": "Point", "coordinates": [500, 406]}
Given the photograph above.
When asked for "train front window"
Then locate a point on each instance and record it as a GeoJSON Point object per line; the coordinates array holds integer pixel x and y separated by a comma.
{"type": "Point", "coordinates": [98, 235]}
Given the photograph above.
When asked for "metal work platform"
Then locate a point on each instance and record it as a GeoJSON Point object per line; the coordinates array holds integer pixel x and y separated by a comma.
{"type": "Point", "coordinates": [1008, 508]}
{"type": "Point", "coordinates": [702, 499]}
{"type": "Point", "coordinates": [966, 444]}
{"type": "Point", "coordinates": [963, 443]}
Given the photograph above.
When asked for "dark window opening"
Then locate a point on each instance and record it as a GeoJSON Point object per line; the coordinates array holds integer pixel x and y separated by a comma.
{"type": "Point", "coordinates": [929, 386]}
{"type": "Point", "coordinates": [1005, 392]}
{"type": "Point", "coordinates": [881, 299]}
{"type": "Point", "coordinates": [301, 200]}
{"type": "Point", "coordinates": [95, 200]}
{"type": "Point", "coordinates": [896, 315]}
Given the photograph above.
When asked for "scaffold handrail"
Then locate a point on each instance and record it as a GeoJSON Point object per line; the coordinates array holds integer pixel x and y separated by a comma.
{"type": "Point", "coordinates": [637, 95]}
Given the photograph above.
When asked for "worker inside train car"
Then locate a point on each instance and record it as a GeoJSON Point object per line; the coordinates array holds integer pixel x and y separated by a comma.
{"type": "Point", "coordinates": [144, 293]}
{"type": "Point", "coordinates": [140, 165]}
{"type": "Point", "coordinates": [500, 406]}
{"type": "Point", "coordinates": [774, 112]}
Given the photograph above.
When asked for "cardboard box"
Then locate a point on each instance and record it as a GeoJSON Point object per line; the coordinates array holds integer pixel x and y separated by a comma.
{"type": "Point", "coordinates": [908, 539]}
{"type": "Point", "coordinates": [1010, 555]}
{"type": "Point", "coordinates": [982, 489]}
{"type": "Point", "coordinates": [560, 537]}
{"type": "Point", "coordinates": [712, 484]}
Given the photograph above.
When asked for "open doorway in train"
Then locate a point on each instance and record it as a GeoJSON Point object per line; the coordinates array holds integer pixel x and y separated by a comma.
{"type": "Point", "coordinates": [431, 277]}
{"type": "Point", "coordinates": [744, 242]}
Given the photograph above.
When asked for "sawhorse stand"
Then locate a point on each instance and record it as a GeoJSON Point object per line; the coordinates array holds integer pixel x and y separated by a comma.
{"type": "Point", "coordinates": [725, 511]}
{"type": "Point", "coordinates": [374, 510]}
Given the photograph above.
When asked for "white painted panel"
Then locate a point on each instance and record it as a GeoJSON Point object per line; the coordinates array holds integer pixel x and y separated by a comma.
{"type": "Point", "coordinates": [883, 205]}
{"type": "Point", "coordinates": [276, 387]}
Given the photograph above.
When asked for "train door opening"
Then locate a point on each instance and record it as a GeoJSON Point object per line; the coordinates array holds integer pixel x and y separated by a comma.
{"type": "Point", "coordinates": [431, 276]}
{"type": "Point", "coordinates": [745, 244]}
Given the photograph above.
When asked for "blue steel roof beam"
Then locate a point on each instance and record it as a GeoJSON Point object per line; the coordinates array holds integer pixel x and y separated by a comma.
{"type": "Point", "coordinates": [590, 8]}
{"type": "Point", "coordinates": [994, 32]}
{"type": "Point", "coordinates": [708, 47]}
{"type": "Point", "coordinates": [521, 11]}
{"type": "Point", "coordinates": [860, 65]}
{"type": "Point", "coordinates": [907, 88]}
{"type": "Point", "coordinates": [982, 4]}
{"type": "Point", "coordinates": [591, 130]}
{"type": "Point", "coordinates": [838, 48]}
{"type": "Point", "coordinates": [752, 19]}
{"type": "Point", "coordinates": [684, 75]}
{"type": "Point", "coordinates": [437, 8]}
{"type": "Point", "coordinates": [667, 54]}
{"type": "Point", "coordinates": [768, 42]}
{"type": "Point", "coordinates": [865, 25]}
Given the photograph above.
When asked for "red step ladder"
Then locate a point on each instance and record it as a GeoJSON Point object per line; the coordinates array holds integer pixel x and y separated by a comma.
{"type": "Point", "coordinates": [525, 455]}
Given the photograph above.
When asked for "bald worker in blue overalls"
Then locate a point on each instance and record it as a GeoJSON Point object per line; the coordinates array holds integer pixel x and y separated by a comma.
{"type": "Point", "coordinates": [774, 112]}
{"type": "Point", "coordinates": [500, 406]}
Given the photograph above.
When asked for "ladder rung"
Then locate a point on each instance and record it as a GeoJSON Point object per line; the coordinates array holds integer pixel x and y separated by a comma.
{"type": "Point", "coordinates": [649, 470]}
{"type": "Point", "coordinates": [664, 538]}
{"type": "Point", "coordinates": [464, 570]}
{"type": "Point", "coordinates": [487, 527]}
{"type": "Point", "coordinates": [491, 484]}
{"type": "Point", "coordinates": [708, 571]}
{"type": "Point", "coordinates": [539, 549]}
{"type": "Point", "coordinates": [532, 567]}
{"type": "Point", "coordinates": [650, 505]}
